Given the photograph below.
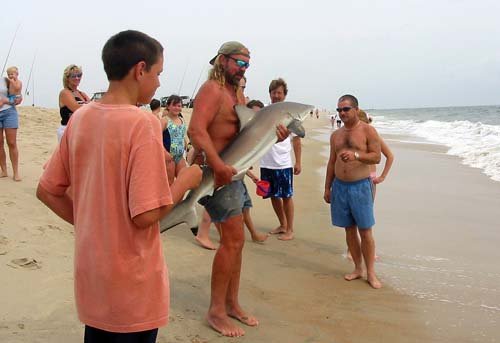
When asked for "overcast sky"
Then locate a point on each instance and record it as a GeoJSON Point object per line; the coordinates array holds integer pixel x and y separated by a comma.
{"type": "Point", "coordinates": [389, 53]}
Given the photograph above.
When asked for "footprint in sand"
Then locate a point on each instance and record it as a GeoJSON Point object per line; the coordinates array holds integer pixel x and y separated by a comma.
{"type": "Point", "coordinates": [3, 245]}
{"type": "Point", "coordinates": [24, 262]}
{"type": "Point", "coordinates": [9, 203]}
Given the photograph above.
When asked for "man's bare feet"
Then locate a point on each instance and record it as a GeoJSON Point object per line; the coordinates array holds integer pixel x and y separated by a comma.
{"type": "Point", "coordinates": [17, 177]}
{"type": "Point", "coordinates": [356, 274]}
{"type": "Point", "coordinates": [205, 243]}
{"type": "Point", "coordinates": [224, 326]}
{"type": "Point", "coordinates": [244, 318]}
{"type": "Point", "coordinates": [3, 174]}
{"type": "Point", "coordinates": [287, 236]}
{"type": "Point", "coordinates": [374, 282]}
{"type": "Point", "coordinates": [259, 237]}
{"type": "Point", "coordinates": [278, 230]}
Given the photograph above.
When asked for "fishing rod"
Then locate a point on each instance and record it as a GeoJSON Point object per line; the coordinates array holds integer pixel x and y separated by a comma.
{"type": "Point", "coordinates": [10, 48]}
{"type": "Point", "coordinates": [197, 82]}
{"type": "Point", "coordinates": [29, 77]}
{"type": "Point", "coordinates": [183, 76]}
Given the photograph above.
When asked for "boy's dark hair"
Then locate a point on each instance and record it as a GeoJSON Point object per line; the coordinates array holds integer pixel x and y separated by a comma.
{"type": "Point", "coordinates": [154, 104]}
{"type": "Point", "coordinates": [253, 103]}
{"type": "Point", "coordinates": [173, 99]}
{"type": "Point", "coordinates": [351, 98]}
{"type": "Point", "coordinates": [278, 83]}
{"type": "Point", "coordinates": [127, 48]}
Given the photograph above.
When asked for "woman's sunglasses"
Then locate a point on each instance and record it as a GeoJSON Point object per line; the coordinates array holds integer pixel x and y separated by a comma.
{"type": "Point", "coordinates": [76, 76]}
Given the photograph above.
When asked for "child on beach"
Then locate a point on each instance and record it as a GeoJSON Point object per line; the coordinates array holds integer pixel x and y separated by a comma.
{"type": "Point", "coordinates": [172, 122]}
{"type": "Point", "coordinates": [15, 85]}
{"type": "Point", "coordinates": [155, 107]}
{"type": "Point", "coordinates": [107, 177]}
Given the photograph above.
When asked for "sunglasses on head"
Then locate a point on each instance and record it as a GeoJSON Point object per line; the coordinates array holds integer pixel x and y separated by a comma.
{"type": "Point", "coordinates": [344, 109]}
{"type": "Point", "coordinates": [76, 76]}
{"type": "Point", "coordinates": [239, 63]}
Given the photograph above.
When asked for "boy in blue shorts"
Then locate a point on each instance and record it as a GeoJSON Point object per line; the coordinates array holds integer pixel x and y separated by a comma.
{"type": "Point", "coordinates": [348, 187]}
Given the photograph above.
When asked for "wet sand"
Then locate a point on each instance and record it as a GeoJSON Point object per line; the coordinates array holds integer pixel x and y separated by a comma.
{"type": "Point", "coordinates": [434, 232]}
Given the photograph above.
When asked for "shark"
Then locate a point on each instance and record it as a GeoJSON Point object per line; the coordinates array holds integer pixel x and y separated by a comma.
{"type": "Point", "coordinates": [256, 136]}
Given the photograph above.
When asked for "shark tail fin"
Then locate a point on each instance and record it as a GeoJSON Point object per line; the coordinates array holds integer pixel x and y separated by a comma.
{"type": "Point", "coordinates": [182, 213]}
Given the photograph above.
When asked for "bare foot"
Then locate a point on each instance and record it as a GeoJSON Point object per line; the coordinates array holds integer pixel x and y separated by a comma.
{"type": "Point", "coordinates": [17, 178]}
{"type": "Point", "coordinates": [377, 258]}
{"type": "Point", "coordinates": [259, 237]}
{"type": "Point", "coordinates": [243, 317]}
{"type": "Point", "coordinates": [278, 230]}
{"type": "Point", "coordinates": [3, 174]}
{"type": "Point", "coordinates": [356, 274]}
{"type": "Point", "coordinates": [224, 326]}
{"type": "Point", "coordinates": [287, 236]}
{"type": "Point", "coordinates": [374, 282]}
{"type": "Point", "coordinates": [205, 243]}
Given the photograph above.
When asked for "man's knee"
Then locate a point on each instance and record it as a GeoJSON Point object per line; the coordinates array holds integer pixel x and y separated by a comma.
{"type": "Point", "coordinates": [366, 234]}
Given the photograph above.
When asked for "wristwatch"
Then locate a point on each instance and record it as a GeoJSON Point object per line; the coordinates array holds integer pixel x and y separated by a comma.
{"type": "Point", "coordinates": [356, 155]}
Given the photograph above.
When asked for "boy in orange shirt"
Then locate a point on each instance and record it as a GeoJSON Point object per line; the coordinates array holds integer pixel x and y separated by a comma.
{"type": "Point", "coordinates": [112, 156]}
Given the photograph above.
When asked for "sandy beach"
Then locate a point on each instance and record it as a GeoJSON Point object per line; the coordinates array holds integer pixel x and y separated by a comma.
{"type": "Point", "coordinates": [436, 235]}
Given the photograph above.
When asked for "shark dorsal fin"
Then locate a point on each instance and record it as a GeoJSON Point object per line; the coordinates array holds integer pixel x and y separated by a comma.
{"type": "Point", "coordinates": [245, 114]}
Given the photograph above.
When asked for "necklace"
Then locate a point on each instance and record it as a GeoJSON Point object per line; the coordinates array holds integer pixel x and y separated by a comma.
{"type": "Point", "coordinates": [352, 128]}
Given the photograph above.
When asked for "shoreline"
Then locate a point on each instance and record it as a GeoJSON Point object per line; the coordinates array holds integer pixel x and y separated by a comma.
{"type": "Point", "coordinates": [436, 266]}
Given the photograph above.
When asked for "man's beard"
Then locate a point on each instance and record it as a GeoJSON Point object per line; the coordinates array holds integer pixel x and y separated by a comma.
{"type": "Point", "coordinates": [234, 80]}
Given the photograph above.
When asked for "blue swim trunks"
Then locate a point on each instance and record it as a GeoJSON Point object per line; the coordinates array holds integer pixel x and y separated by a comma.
{"type": "Point", "coordinates": [351, 203]}
{"type": "Point", "coordinates": [228, 201]}
{"type": "Point", "coordinates": [281, 181]}
{"type": "Point", "coordinates": [9, 119]}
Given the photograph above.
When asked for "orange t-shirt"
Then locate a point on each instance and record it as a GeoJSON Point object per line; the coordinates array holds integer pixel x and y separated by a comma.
{"type": "Point", "coordinates": [112, 156]}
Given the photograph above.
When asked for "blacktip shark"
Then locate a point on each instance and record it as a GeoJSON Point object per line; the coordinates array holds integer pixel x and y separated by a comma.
{"type": "Point", "coordinates": [257, 135]}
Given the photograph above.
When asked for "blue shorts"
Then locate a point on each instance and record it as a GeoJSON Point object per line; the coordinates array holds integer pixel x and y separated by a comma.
{"type": "Point", "coordinates": [229, 201]}
{"type": "Point", "coordinates": [351, 203]}
{"type": "Point", "coordinates": [9, 119]}
{"type": "Point", "coordinates": [281, 181]}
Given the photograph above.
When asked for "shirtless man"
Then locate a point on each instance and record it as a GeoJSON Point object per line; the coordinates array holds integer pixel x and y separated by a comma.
{"type": "Point", "coordinates": [213, 125]}
{"type": "Point", "coordinates": [348, 188]}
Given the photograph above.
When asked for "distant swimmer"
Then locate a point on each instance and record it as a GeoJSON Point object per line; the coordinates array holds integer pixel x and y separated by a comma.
{"type": "Point", "coordinates": [348, 187]}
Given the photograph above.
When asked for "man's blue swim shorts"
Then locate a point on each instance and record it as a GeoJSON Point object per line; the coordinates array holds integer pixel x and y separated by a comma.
{"type": "Point", "coordinates": [351, 203]}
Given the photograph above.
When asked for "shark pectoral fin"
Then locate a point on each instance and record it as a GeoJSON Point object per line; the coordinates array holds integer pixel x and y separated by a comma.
{"type": "Point", "coordinates": [245, 114]}
{"type": "Point", "coordinates": [296, 127]}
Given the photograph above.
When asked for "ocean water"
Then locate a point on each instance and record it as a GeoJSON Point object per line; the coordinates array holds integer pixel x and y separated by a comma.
{"type": "Point", "coordinates": [471, 133]}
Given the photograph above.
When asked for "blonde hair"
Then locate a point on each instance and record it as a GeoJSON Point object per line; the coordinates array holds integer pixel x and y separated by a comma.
{"type": "Point", "coordinates": [218, 74]}
{"type": "Point", "coordinates": [363, 116]}
{"type": "Point", "coordinates": [67, 72]}
{"type": "Point", "coordinates": [11, 69]}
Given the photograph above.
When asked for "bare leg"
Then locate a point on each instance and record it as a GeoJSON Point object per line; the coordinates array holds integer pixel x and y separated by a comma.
{"type": "Point", "coordinates": [280, 213]}
{"type": "Point", "coordinates": [3, 157]}
{"type": "Point", "coordinates": [225, 279]}
{"type": "Point", "coordinates": [351, 235]}
{"type": "Point", "coordinates": [11, 136]}
{"type": "Point", "coordinates": [289, 211]}
{"type": "Point", "coordinates": [257, 236]}
{"type": "Point", "coordinates": [179, 166]}
{"type": "Point", "coordinates": [203, 230]}
{"type": "Point", "coordinates": [368, 249]}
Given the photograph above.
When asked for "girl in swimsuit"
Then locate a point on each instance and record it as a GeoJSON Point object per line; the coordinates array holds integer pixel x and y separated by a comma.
{"type": "Point", "coordinates": [174, 124]}
{"type": "Point", "coordinates": [70, 97]}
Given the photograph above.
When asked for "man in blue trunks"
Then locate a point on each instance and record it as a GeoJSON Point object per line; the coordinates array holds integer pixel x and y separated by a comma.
{"type": "Point", "coordinates": [276, 167]}
{"type": "Point", "coordinates": [348, 188]}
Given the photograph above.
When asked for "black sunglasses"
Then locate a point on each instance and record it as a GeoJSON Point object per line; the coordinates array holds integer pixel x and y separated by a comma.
{"type": "Point", "coordinates": [344, 109]}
